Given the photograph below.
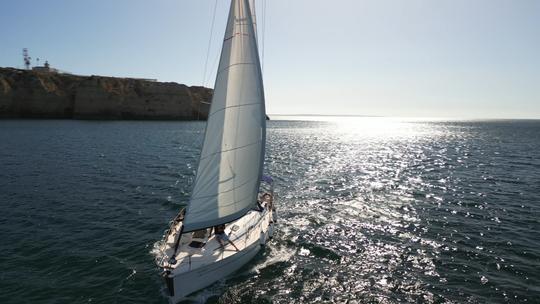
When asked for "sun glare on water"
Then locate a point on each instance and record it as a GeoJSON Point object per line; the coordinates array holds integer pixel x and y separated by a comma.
{"type": "Point", "coordinates": [371, 127]}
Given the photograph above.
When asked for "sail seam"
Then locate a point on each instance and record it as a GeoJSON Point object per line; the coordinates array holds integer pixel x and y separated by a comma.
{"type": "Point", "coordinates": [219, 193]}
{"type": "Point", "coordinates": [229, 150]}
{"type": "Point", "coordinates": [235, 64]}
{"type": "Point", "coordinates": [236, 34]}
{"type": "Point", "coordinates": [227, 205]}
{"type": "Point", "coordinates": [230, 107]}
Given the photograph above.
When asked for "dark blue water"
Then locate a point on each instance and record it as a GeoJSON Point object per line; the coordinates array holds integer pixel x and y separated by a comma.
{"type": "Point", "coordinates": [371, 210]}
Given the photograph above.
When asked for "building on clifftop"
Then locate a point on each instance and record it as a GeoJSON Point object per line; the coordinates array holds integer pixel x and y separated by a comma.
{"type": "Point", "coordinates": [45, 68]}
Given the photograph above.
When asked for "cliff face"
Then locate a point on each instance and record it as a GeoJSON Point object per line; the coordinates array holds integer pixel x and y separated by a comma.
{"type": "Point", "coordinates": [31, 94]}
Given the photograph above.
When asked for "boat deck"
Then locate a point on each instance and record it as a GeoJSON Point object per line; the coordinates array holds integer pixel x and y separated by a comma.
{"type": "Point", "coordinates": [243, 232]}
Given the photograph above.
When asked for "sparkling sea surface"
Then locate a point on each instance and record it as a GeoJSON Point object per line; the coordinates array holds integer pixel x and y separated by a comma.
{"type": "Point", "coordinates": [371, 210]}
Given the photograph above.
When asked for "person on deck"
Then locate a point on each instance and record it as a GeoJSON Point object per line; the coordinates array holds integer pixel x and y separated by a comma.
{"type": "Point", "coordinates": [222, 237]}
{"type": "Point", "coordinates": [260, 207]}
{"type": "Point", "coordinates": [267, 198]}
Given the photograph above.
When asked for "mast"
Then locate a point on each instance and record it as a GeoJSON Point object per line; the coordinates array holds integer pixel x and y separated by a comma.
{"type": "Point", "coordinates": [231, 162]}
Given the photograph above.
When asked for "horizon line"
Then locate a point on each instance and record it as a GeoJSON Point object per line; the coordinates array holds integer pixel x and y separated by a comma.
{"type": "Point", "coordinates": [391, 116]}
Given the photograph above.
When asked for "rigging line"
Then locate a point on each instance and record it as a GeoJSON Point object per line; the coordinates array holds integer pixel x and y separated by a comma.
{"type": "Point", "coordinates": [209, 42]}
{"type": "Point", "coordinates": [216, 59]}
{"type": "Point", "coordinates": [263, 34]}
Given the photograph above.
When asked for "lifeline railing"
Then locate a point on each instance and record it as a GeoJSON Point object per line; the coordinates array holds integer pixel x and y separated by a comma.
{"type": "Point", "coordinates": [192, 264]}
{"type": "Point", "coordinates": [179, 218]}
{"type": "Point", "coordinates": [266, 185]}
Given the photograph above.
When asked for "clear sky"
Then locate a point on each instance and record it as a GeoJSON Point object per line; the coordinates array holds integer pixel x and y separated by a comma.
{"type": "Point", "coordinates": [442, 58]}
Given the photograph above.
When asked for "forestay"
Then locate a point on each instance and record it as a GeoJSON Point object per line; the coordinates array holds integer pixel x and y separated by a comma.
{"type": "Point", "coordinates": [232, 156]}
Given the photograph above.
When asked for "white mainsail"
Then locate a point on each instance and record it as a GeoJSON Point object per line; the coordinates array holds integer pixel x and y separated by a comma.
{"type": "Point", "coordinates": [232, 156]}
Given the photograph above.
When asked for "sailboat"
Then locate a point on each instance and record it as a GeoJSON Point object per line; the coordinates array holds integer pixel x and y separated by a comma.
{"type": "Point", "coordinates": [231, 212]}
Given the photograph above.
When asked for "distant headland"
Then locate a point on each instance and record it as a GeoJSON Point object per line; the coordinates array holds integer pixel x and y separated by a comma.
{"type": "Point", "coordinates": [46, 93]}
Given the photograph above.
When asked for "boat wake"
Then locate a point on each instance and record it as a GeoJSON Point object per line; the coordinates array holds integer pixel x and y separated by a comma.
{"type": "Point", "coordinates": [276, 255]}
{"type": "Point", "coordinates": [157, 251]}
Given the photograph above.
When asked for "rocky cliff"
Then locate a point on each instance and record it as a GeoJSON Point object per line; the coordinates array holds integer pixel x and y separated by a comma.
{"type": "Point", "coordinates": [31, 94]}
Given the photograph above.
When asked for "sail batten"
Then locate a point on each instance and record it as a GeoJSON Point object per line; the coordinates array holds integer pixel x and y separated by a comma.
{"type": "Point", "coordinates": [230, 166]}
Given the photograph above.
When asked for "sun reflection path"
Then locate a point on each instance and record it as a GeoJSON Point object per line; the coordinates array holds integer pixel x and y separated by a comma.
{"type": "Point", "coordinates": [373, 210]}
{"type": "Point", "coordinates": [347, 203]}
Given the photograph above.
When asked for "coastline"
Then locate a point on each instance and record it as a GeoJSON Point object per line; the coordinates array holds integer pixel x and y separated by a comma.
{"type": "Point", "coordinates": [27, 94]}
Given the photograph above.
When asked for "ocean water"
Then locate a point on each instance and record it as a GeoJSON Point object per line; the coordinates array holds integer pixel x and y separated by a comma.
{"type": "Point", "coordinates": [372, 210]}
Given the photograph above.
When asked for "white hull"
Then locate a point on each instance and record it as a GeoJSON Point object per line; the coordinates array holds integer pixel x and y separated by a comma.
{"type": "Point", "coordinates": [196, 269]}
{"type": "Point", "coordinates": [190, 282]}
